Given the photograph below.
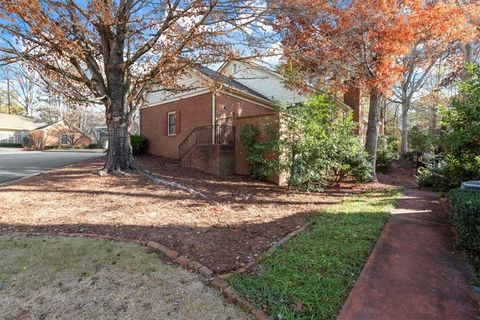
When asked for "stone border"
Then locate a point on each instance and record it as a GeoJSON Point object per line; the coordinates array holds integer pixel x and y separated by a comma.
{"type": "Point", "coordinates": [220, 281]}
{"type": "Point", "coordinates": [216, 282]}
{"type": "Point", "coordinates": [249, 266]}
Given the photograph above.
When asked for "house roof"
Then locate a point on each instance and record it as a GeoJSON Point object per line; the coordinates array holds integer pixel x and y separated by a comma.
{"type": "Point", "coordinates": [229, 81]}
{"type": "Point", "coordinates": [19, 123]}
{"type": "Point", "coordinates": [259, 66]}
{"type": "Point", "coordinates": [62, 122]}
{"type": "Point", "coordinates": [245, 90]}
{"type": "Point", "coordinates": [46, 125]}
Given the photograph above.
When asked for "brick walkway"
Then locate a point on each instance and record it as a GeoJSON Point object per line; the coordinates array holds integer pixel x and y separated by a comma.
{"type": "Point", "coordinates": [414, 271]}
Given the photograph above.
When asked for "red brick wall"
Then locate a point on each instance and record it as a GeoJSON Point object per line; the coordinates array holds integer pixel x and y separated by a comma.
{"type": "Point", "coordinates": [194, 112]}
{"type": "Point", "coordinates": [52, 134]}
{"type": "Point", "coordinates": [352, 99]}
{"type": "Point", "coordinates": [226, 105]}
{"type": "Point", "coordinates": [261, 122]}
{"type": "Point", "coordinates": [214, 159]}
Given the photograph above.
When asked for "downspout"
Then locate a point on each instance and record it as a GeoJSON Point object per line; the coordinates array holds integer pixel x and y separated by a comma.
{"type": "Point", "coordinates": [213, 117]}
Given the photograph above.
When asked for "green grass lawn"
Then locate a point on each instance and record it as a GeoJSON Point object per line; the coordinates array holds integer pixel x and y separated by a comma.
{"type": "Point", "coordinates": [310, 276]}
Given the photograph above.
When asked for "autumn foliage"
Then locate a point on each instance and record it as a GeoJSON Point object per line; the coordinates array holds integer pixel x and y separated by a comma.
{"type": "Point", "coordinates": [329, 42]}
{"type": "Point", "coordinates": [338, 40]}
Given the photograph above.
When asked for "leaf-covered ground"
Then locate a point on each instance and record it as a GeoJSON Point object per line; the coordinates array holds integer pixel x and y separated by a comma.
{"type": "Point", "coordinates": [240, 220]}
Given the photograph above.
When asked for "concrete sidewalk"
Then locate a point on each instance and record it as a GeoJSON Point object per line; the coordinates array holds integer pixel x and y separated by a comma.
{"type": "Point", "coordinates": [414, 271]}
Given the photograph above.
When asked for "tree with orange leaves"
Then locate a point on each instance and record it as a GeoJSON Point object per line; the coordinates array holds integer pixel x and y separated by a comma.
{"type": "Point", "coordinates": [361, 41]}
{"type": "Point", "coordinates": [471, 49]}
{"type": "Point", "coordinates": [112, 52]}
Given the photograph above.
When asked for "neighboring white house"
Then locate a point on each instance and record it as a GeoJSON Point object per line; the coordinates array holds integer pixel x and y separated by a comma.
{"type": "Point", "coordinates": [14, 128]}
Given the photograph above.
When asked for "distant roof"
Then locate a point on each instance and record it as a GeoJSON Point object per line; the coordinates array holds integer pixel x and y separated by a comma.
{"type": "Point", "coordinates": [14, 122]}
{"type": "Point", "coordinates": [231, 82]}
{"type": "Point", "coordinates": [46, 125]}
{"type": "Point", "coordinates": [64, 123]}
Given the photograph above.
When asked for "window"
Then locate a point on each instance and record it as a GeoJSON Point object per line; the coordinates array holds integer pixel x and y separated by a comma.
{"type": "Point", "coordinates": [172, 123]}
{"type": "Point", "coordinates": [65, 138]}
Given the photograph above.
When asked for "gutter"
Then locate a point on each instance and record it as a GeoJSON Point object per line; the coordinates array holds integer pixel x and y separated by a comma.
{"type": "Point", "coordinates": [214, 116]}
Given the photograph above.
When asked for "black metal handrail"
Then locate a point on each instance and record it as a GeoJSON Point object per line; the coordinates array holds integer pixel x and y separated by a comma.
{"type": "Point", "coordinates": [207, 135]}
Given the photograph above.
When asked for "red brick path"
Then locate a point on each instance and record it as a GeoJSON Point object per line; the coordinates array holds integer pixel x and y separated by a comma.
{"type": "Point", "coordinates": [414, 272]}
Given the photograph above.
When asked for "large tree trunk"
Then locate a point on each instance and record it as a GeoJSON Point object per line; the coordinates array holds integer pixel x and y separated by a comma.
{"type": "Point", "coordinates": [119, 155]}
{"type": "Point", "coordinates": [404, 135]}
{"type": "Point", "coordinates": [372, 129]}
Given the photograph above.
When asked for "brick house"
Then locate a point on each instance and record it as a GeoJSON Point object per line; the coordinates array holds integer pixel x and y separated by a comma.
{"type": "Point", "coordinates": [197, 125]}
{"type": "Point", "coordinates": [14, 128]}
{"type": "Point", "coordinates": [60, 134]}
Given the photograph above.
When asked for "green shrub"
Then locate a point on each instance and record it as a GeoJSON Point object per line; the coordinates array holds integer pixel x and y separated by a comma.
{"type": "Point", "coordinates": [256, 152]}
{"type": "Point", "coordinates": [431, 175]}
{"type": "Point", "coordinates": [10, 145]}
{"type": "Point", "coordinates": [432, 178]}
{"type": "Point", "coordinates": [466, 220]}
{"type": "Point", "coordinates": [460, 139]}
{"type": "Point", "coordinates": [139, 143]}
{"type": "Point", "coordinates": [385, 159]}
{"type": "Point", "coordinates": [420, 139]}
{"type": "Point", "coordinates": [359, 166]}
{"type": "Point", "coordinates": [448, 173]}
{"type": "Point", "coordinates": [410, 156]}
{"type": "Point", "coordinates": [316, 144]}
{"type": "Point", "coordinates": [462, 119]}
{"type": "Point", "coordinates": [386, 152]}
{"type": "Point", "coordinates": [460, 168]}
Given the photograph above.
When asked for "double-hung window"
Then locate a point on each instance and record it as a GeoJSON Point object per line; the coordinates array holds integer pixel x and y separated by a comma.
{"type": "Point", "coordinates": [172, 123]}
{"type": "Point", "coordinates": [65, 139]}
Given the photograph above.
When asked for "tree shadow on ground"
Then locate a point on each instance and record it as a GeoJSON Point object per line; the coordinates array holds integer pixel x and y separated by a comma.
{"type": "Point", "coordinates": [221, 248]}
{"type": "Point", "coordinates": [239, 221]}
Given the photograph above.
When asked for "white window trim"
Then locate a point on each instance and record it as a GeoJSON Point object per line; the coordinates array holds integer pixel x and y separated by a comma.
{"type": "Point", "coordinates": [168, 124]}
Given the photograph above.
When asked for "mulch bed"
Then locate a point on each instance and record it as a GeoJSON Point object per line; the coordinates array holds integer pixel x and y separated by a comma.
{"type": "Point", "coordinates": [240, 219]}
{"type": "Point", "coordinates": [401, 173]}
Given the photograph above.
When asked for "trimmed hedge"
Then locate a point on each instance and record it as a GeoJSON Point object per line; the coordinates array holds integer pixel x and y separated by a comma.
{"type": "Point", "coordinates": [10, 145]}
{"type": "Point", "coordinates": [139, 143]}
{"type": "Point", "coordinates": [466, 220]}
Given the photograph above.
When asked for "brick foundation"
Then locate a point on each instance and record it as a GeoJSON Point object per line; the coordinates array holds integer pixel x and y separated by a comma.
{"type": "Point", "coordinates": [213, 159]}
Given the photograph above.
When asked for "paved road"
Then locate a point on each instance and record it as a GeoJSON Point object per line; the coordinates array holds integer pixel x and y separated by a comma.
{"type": "Point", "coordinates": [16, 165]}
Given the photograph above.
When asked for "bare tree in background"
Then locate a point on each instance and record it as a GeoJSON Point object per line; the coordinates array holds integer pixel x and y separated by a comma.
{"type": "Point", "coordinates": [471, 49]}
{"type": "Point", "coordinates": [417, 65]}
{"type": "Point", "coordinates": [37, 139]}
{"type": "Point", "coordinates": [27, 90]}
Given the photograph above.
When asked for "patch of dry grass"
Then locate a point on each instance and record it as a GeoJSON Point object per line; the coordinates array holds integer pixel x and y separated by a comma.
{"type": "Point", "coordinates": [84, 278]}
